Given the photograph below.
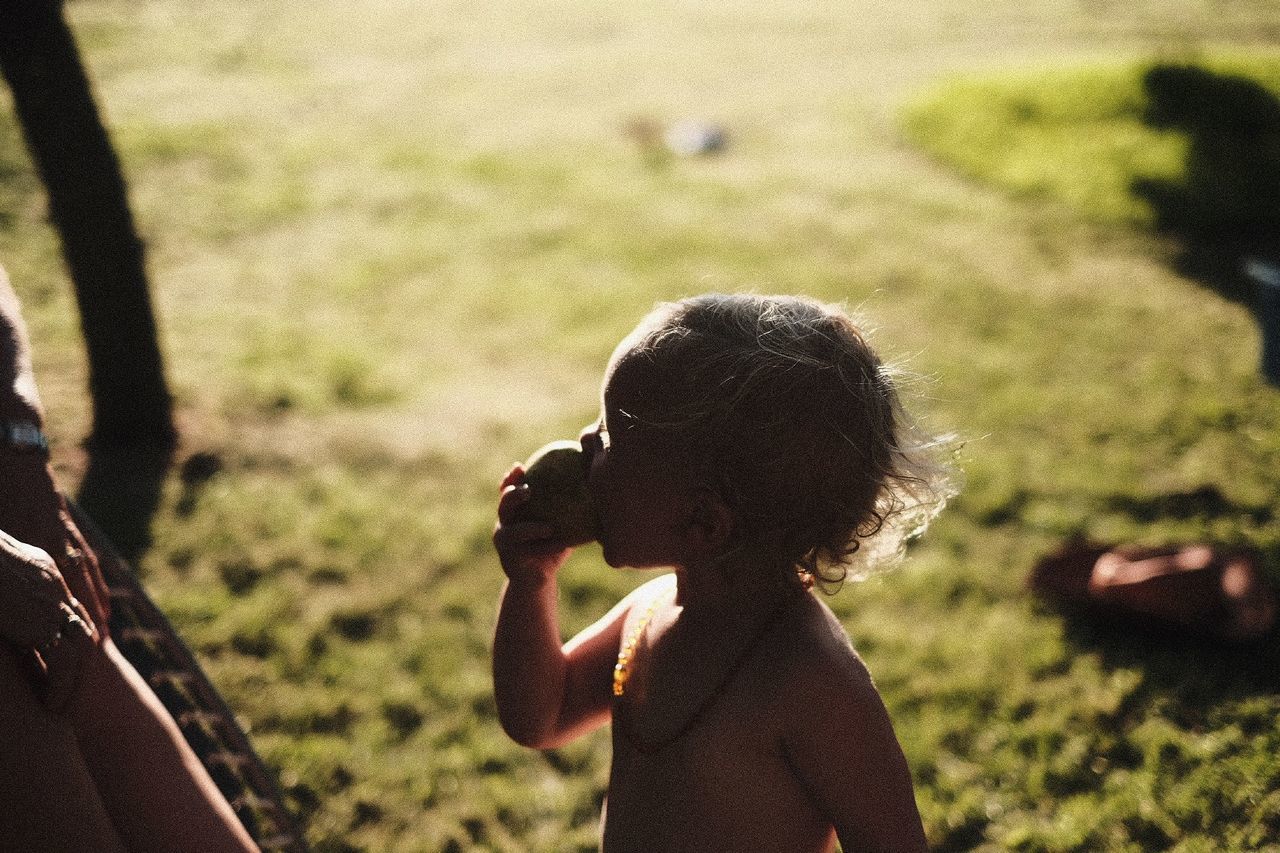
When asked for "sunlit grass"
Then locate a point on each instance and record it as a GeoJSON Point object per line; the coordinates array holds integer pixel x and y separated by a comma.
{"type": "Point", "coordinates": [1078, 135]}
{"type": "Point", "coordinates": [391, 249]}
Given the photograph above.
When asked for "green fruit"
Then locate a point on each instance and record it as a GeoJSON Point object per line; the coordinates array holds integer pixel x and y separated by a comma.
{"type": "Point", "coordinates": [556, 474]}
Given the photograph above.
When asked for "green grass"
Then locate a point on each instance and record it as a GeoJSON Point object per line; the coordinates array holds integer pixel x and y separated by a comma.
{"type": "Point", "coordinates": [1079, 135]}
{"type": "Point", "coordinates": [391, 251]}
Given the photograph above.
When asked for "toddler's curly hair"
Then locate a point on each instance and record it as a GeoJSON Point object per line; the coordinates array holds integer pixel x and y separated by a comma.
{"type": "Point", "coordinates": [790, 415]}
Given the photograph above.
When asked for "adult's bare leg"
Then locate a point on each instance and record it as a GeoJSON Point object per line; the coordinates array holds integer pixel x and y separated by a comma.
{"type": "Point", "coordinates": [48, 799]}
{"type": "Point", "coordinates": [159, 796]}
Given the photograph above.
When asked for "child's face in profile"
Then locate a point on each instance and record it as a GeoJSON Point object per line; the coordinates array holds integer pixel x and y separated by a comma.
{"type": "Point", "coordinates": [641, 498]}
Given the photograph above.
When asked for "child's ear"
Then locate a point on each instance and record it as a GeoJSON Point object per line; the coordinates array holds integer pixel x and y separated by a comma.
{"type": "Point", "coordinates": [711, 521]}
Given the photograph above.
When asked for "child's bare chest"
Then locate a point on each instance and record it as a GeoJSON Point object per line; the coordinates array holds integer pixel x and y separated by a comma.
{"type": "Point", "coordinates": [698, 676]}
{"type": "Point", "coordinates": [706, 770]}
{"type": "Point", "coordinates": [698, 761]}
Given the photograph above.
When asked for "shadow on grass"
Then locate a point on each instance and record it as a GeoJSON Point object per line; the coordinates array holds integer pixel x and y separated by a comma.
{"type": "Point", "coordinates": [1226, 206]}
{"type": "Point", "coordinates": [123, 486]}
{"type": "Point", "coordinates": [1197, 687]}
{"type": "Point", "coordinates": [1204, 502]}
{"type": "Point", "coordinates": [121, 491]}
{"type": "Point", "coordinates": [1189, 677]}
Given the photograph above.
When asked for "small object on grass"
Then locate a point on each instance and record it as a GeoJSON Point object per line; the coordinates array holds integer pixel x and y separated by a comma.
{"type": "Point", "coordinates": [1214, 592]}
{"type": "Point", "coordinates": [1267, 275]}
{"type": "Point", "coordinates": [693, 137]}
{"type": "Point", "coordinates": [556, 474]}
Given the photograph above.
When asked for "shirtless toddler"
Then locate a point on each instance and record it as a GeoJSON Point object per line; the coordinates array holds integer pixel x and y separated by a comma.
{"type": "Point", "coordinates": [755, 446]}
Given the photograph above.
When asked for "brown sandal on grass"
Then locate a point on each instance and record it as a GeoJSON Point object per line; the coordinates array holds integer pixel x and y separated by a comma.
{"type": "Point", "coordinates": [1216, 592]}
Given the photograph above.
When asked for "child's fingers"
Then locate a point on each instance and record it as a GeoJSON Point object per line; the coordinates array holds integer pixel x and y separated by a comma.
{"type": "Point", "coordinates": [529, 550]}
{"type": "Point", "coordinates": [527, 538]}
{"type": "Point", "coordinates": [524, 534]}
{"type": "Point", "coordinates": [513, 478]}
{"type": "Point", "coordinates": [525, 547]}
{"type": "Point", "coordinates": [513, 497]}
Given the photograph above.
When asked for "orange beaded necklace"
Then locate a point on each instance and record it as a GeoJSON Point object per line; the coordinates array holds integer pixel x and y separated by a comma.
{"type": "Point", "coordinates": [622, 673]}
{"type": "Point", "coordinates": [622, 669]}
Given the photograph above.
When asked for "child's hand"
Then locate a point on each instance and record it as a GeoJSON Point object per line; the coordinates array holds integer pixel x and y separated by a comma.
{"type": "Point", "coordinates": [529, 550]}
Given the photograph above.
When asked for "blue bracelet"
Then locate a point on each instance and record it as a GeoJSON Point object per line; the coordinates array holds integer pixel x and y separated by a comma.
{"type": "Point", "coordinates": [23, 435]}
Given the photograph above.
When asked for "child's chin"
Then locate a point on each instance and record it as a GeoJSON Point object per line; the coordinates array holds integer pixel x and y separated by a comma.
{"type": "Point", "coordinates": [609, 559]}
{"type": "Point", "coordinates": [612, 558]}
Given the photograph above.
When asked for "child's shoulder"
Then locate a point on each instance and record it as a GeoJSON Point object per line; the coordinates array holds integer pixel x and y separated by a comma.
{"type": "Point", "coordinates": [815, 660]}
{"type": "Point", "coordinates": [810, 628]}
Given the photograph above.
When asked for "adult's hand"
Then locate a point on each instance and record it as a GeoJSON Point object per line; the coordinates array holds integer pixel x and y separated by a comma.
{"type": "Point", "coordinates": [39, 613]}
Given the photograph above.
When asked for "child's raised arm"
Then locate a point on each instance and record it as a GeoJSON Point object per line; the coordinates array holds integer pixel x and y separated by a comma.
{"type": "Point", "coordinates": [843, 749]}
{"type": "Point", "coordinates": [547, 694]}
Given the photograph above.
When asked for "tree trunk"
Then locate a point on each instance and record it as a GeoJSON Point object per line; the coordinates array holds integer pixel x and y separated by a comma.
{"type": "Point", "coordinates": [89, 207]}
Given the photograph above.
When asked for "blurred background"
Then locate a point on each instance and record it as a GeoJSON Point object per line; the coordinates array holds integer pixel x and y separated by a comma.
{"type": "Point", "coordinates": [390, 246]}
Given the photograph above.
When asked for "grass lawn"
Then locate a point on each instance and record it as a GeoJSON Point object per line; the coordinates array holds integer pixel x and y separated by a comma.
{"type": "Point", "coordinates": [1091, 136]}
{"type": "Point", "coordinates": [392, 246]}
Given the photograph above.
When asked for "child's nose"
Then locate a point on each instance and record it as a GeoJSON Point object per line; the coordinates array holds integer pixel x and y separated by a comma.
{"type": "Point", "coordinates": [590, 437]}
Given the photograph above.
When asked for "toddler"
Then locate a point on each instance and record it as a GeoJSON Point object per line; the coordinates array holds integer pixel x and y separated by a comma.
{"type": "Point", "coordinates": [754, 446]}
